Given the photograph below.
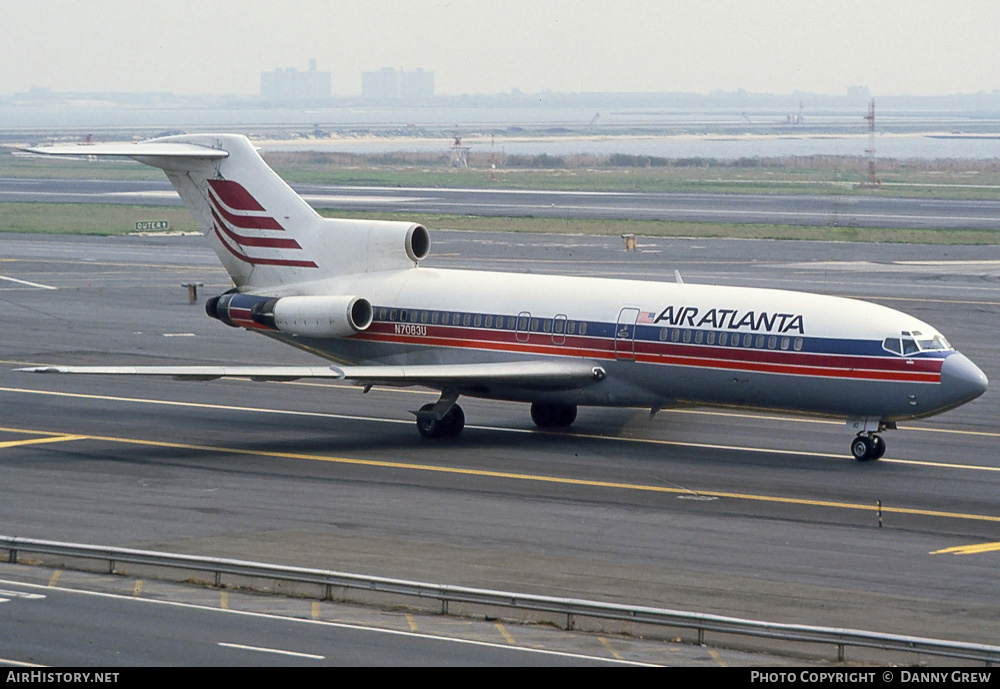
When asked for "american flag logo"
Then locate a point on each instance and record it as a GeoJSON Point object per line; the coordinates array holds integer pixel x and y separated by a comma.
{"type": "Point", "coordinates": [646, 317]}
{"type": "Point", "coordinates": [235, 212]}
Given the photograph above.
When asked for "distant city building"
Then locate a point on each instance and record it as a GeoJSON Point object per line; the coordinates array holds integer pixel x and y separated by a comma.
{"type": "Point", "coordinates": [284, 85]}
{"type": "Point", "coordinates": [392, 84]}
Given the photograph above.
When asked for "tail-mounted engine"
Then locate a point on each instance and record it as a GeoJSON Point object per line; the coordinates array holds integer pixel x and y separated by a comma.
{"type": "Point", "coordinates": [332, 316]}
{"type": "Point", "coordinates": [367, 246]}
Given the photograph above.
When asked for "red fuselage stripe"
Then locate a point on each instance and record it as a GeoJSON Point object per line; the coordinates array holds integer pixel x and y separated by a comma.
{"type": "Point", "coordinates": [865, 368]}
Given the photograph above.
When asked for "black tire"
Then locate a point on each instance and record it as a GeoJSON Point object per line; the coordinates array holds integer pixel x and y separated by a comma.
{"type": "Point", "coordinates": [566, 414]}
{"type": "Point", "coordinates": [878, 447]}
{"type": "Point", "coordinates": [427, 425]}
{"type": "Point", "coordinates": [553, 415]}
{"type": "Point", "coordinates": [862, 448]}
{"type": "Point", "coordinates": [452, 423]}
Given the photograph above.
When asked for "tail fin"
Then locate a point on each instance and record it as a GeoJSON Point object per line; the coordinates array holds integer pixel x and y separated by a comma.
{"type": "Point", "coordinates": [264, 234]}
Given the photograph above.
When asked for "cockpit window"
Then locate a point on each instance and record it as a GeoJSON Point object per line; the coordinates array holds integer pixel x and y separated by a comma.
{"type": "Point", "coordinates": [914, 343]}
{"type": "Point", "coordinates": [936, 342]}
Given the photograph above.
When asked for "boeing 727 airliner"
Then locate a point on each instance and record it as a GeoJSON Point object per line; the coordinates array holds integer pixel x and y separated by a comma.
{"type": "Point", "coordinates": [353, 291]}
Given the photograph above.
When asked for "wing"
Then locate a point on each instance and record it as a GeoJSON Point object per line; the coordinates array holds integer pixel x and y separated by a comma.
{"type": "Point", "coordinates": [262, 373]}
{"type": "Point", "coordinates": [533, 375]}
{"type": "Point", "coordinates": [556, 374]}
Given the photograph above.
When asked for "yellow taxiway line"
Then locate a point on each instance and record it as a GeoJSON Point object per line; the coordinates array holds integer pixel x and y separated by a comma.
{"type": "Point", "coordinates": [59, 438]}
{"type": "Point", "coordinates": [515, 476]}
{"type": "Point", "coordinates": [973, 549]}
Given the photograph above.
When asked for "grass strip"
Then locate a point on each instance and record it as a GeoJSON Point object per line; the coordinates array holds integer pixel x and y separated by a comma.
{"type": "Point", "coordinates": [112, 219]}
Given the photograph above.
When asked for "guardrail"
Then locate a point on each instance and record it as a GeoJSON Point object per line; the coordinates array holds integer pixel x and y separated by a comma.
{"type": "Point", "coordinates": [569, 608]}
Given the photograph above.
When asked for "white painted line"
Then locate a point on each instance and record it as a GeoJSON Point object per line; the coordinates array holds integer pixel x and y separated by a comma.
{"type": "Point", "coordinates": [25, 282]}
{"type": "Point", "coordinates": [271, 650]}
{"type": "Point", "coordinates": [179, 335]}
{"type": "Point", "coordinates": [322, 623]}
{"type": "Point", "coordinates": [21, 594]}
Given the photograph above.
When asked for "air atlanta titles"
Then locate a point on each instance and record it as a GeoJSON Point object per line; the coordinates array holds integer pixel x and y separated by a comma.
{"type": "Point", "coordinates": [731, 319]}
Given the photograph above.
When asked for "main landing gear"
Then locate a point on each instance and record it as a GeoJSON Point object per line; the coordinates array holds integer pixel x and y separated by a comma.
{"type": "Point", "coordinates": [447, 426]}
{"type": "Point", "coordinates": [553, 415]}
{"type": "Point", "coordinates": [446, 419]}
{"type": "Point", "coordinates": [866, 447]}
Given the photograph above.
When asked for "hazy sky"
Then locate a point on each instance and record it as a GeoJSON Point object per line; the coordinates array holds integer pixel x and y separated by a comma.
{"type": "Point", "coordinates": [917, 47]}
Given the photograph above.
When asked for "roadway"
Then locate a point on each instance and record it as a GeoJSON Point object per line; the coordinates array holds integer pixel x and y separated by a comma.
{"type": "Point", "coordinates": [823, 210]}
{"type": "Point", "coordinates": [740, 514]}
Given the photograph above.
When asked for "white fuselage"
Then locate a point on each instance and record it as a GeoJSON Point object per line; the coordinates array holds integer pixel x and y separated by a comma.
{"type": "Point", "coordinates": [661, 343]}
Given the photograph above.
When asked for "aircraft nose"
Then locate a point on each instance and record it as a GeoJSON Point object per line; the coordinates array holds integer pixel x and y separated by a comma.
{"type": "Point", "coordinates": [962, 379]}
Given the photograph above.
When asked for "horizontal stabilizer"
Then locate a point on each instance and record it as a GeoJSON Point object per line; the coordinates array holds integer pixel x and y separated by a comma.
{"type": "Point", "coordinates": [141, 149]}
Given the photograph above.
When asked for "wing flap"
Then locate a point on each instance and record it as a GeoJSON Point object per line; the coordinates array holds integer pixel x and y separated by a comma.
{"type": "Point", "coordinates": [542, 375]}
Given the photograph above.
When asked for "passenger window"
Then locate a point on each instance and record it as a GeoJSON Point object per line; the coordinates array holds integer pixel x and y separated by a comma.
{"type": "Point", "coordinates": [435, 315]}
{"type": "Point", "coordinates": [687, 336]}
{"type": "Point", "coordinates": [571, 327]}
{"type": "Point", "coordinates": [675, 335]}
{"type": "Point", "coordinates": [711, 337]}
{"type": "Point", "coordinates": [759, 344]}
{"type": "Point", "coordinates": [747, 339]}
{"type": "Point", "coordinates": [583, 328]}
{"type": "Point", "coordinates": [798, 344]}
{"type": "Point", "coordinates": [478, 320]}
{"type": "Point", "coordinates": [723, 338]}
{"type": "Point", "coordinates": [772, 342]}
{"type": "Point", "coordinates": [785, 341]}
{"type": "Point", "coordinates": [698, 336]}
{"type": "Point", "coordinates": [489, 321]}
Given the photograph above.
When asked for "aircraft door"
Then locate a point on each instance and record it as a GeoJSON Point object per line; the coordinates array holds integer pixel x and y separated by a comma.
{"type": "Point", "coordinates": [625, 334]}
{"type": "Point", "coordinates": [559, 329]}
{"type": "Point", "coordinates": [522, 331]}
